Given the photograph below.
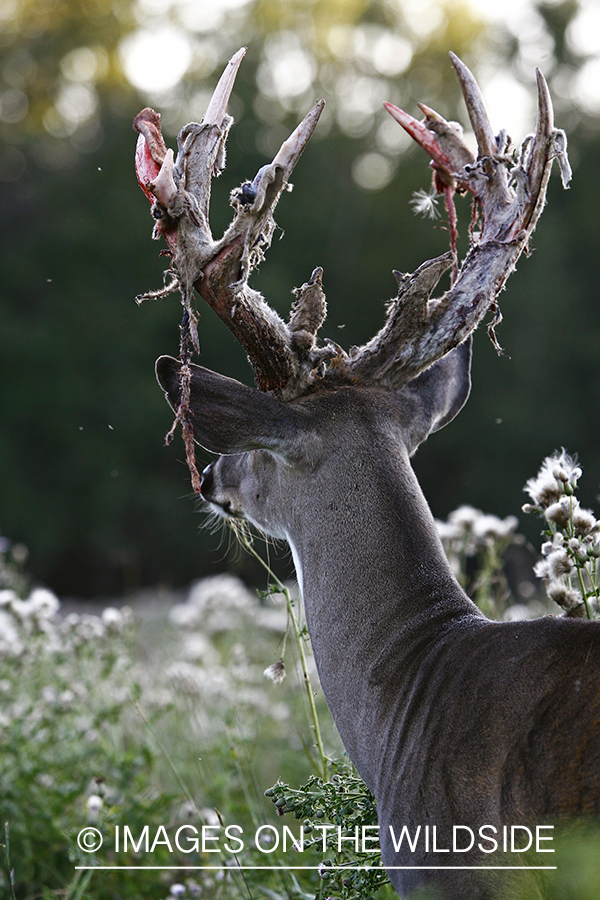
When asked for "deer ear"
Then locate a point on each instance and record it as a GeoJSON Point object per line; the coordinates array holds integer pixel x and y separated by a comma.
{"type": "Point", "coordinates": [437, 395]}
{"type": "Point", "coordinates": [227, 416]}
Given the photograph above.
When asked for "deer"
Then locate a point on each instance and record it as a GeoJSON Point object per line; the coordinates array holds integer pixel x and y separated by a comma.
{"type": "Point", "coordinates": [451, 719]}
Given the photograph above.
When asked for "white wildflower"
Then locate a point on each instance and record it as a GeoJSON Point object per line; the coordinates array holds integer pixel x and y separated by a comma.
{"type": "Point", "coordinates": [276, 671]}
{"type": "Point", "coordinates": [45, 780]}
{"type": "Point", "coordinates": [177, 890]}
{"type": "Point", "coordinates": [112, 619]}
{"type": "Point", "coordinates": [7, 597]}
{"type": "Point", "coordinates": [94, 803]}
{"type": "Point", "coordinates": [89, 627]}
{"type": "Point", "coordinates": [584, 521]}
{"type": "Point", "coordinates": [239, 656]}
{"type": "Point", "coordinates": [187, 810]}
{"type": "Point", "coordinates": [491, 528]}
{"type": "Point", "coordinates": [216, 604]}
{"type": "Point", "coordinates": [185, 615]}
{"type": "Point", "coordinates": [560, 512]}
{"type": "Point", "coordinates": [544, 488]}
{"type": "Point", "coordinates": [197, 647]}
{"type": "Point", "coordinates": [43, 603]}
{"type": "Point", "coordinates": [48, 695]}
{"type": "Point", "coordinates": [279, 712]}
{"type": "Point", "coordinates": [563, 594]}
{"type": "Point", "coordinates": [8, 633]}
{"type": "Point", "coordinates": [555, 473]}
{"type": "Point", "coordinates": [66, 699]}
{"type": "Point", "coordinates": [187, 678]}
{"type": "Point", "coordinates": [209, 816]}
{"type": "Point", "coordinates": [464, 517]}
{"type": "Point", "coordinates": [554, 565]}
{"type": "Point", "coordinates": [221, 592]}
{"type": "Point", "coordinates": [592, 546]}
{"type": "Point", "coordinates": [70, 622]}
{"type": "Point", "coordinates": [517, 612]}
{"type": "Point", "coordinates": [447, 531]}
{"type": "Point", "coordinates": [22, 609]}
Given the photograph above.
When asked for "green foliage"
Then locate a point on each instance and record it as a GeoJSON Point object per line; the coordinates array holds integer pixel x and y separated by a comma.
{"type": "Point", "coordinates": [338, 816]}
{"type": "Point", "coordinates": [68, 736]}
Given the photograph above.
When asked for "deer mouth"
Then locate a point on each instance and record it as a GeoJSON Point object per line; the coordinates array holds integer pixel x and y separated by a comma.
{"type": "Point", "coordinates": [221, 506]}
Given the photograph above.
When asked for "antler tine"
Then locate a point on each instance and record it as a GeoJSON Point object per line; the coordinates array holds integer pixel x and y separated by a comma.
{"type": "Point", "coordinates": [290, 151]}
{"type": "Point", "coordinates": [217, 108]}
{"type": "Point", "coordinates": [202, 151]}
{"type": "Point", "coordinates": [545, 124]}
{"type": "Point", "coordinates": [422, 135]}
{"type": "Point", "coordinates": [396, 353]}
{"type": "Point", "coordinates": [537, 163]}
{"type": "Point", "coordinates": [486, 140]}
{"type": "Point", "coordinates": [272, 179]}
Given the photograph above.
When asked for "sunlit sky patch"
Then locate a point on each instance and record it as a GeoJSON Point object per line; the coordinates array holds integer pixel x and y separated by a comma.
{"type": "Point", "coordinates": [156, 59]}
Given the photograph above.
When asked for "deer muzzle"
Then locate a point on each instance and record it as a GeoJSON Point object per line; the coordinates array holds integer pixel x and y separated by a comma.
{"type": "Point", "coordinates": [207, 481]}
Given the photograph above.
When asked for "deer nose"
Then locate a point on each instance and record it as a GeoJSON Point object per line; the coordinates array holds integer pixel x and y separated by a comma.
{"type": "Point", "coordinates": [207, 481]}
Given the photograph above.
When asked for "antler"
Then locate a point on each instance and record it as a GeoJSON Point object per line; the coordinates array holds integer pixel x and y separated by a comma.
{"type": "Point", "coordinates": [282, 355]}
{"type": "Point", "coordinates": [509, 195]}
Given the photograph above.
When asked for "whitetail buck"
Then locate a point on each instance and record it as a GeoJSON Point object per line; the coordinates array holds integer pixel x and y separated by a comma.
{"type": "Point", "coordinates": [451, 719]}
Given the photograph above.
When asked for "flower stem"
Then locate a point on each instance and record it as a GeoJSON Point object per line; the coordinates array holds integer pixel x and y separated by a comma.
{"type": "Point", "coordinates": [584, 594]}
{"type": "Point", "coordinates": [246, 540]}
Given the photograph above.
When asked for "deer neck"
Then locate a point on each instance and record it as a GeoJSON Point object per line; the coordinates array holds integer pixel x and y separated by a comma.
{"type": "Point", "coordinates": [378, 592]}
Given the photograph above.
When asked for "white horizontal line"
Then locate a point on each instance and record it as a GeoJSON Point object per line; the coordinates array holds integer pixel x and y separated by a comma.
{"type": "Point", "coordinates": [313, 868]}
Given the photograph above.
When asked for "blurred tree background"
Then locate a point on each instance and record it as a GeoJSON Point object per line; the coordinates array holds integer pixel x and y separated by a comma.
{"type": "Point", "coordinates": [85, 481]}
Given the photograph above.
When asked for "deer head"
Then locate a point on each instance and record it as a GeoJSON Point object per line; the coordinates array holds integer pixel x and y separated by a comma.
{"type": "Point", "coordinates": [318, 454]}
